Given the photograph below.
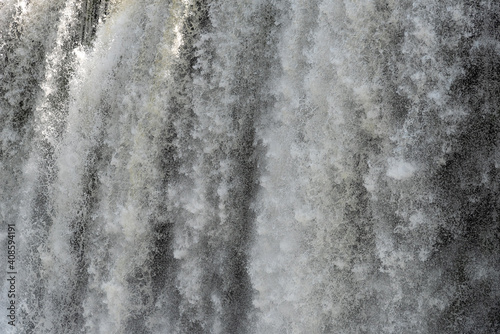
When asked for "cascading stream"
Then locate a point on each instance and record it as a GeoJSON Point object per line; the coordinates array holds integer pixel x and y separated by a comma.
{"type": "Point", "coordinates": [285, 166]}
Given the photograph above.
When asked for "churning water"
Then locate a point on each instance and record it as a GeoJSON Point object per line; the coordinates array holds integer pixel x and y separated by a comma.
{"type": "Point", "coordinates": [250, 166]}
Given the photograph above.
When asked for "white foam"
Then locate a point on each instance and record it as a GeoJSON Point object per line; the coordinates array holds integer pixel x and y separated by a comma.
{"type": "Point", "coordinates": [399, 169]}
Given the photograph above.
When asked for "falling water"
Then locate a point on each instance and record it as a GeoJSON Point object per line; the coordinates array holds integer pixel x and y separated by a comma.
{"type": "Point", "coordinates": [283, 166]}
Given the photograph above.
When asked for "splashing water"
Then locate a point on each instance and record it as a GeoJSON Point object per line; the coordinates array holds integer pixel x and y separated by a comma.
{"type": "Point", "coordinates": [285, 166]}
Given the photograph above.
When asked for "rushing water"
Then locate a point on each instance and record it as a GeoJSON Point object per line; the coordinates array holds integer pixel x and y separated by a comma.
{"type": "Point", "coordinates": [253, 166]}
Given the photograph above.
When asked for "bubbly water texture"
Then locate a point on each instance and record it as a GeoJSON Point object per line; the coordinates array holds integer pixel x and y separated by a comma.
{"type": "Point", "coordinates": [253, 166]}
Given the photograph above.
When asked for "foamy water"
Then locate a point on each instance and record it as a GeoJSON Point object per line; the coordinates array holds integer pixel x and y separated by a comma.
{"type": "Point", "coordinates": [251, 166]}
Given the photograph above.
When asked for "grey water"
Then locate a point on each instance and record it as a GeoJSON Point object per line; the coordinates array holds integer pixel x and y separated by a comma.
{"type": "Point", "coordinates": [250, 167]}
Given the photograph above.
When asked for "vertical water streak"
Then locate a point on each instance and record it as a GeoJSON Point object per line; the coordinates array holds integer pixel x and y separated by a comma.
{"type": "Point", "coordinates": [32, 53]}
{"type": "Point", "coordinates": [124, 139]}
{"type": "Point", "coordinates": [215, 216]}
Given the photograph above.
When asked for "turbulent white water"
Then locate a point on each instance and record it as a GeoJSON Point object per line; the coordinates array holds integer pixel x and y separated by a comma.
{"type": "Point", "coordinates": [284, 166]}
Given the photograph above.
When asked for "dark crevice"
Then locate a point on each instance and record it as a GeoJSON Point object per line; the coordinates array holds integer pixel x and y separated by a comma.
{"type": "Point", "coordinates": [91, 13]}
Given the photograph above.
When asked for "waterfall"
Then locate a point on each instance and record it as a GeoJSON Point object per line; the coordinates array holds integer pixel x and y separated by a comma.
{"type": "Point", "coordinates": [250, 167]}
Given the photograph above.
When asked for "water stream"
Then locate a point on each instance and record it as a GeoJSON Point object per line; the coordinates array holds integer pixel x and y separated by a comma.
{"type": "Point", "coordinates": [253, 166]}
